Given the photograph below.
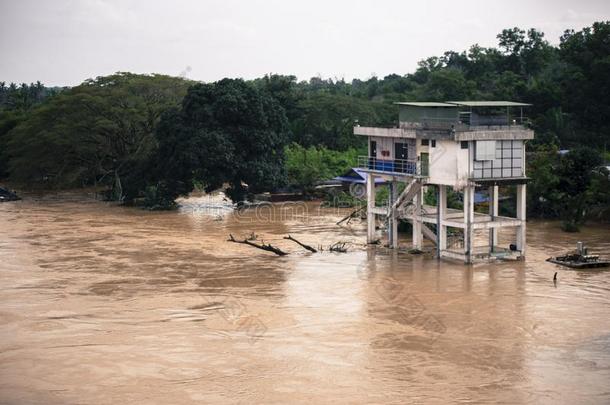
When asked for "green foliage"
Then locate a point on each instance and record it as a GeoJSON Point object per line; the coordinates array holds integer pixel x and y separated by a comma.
{"type": "Point", "coordinates": [226, 132]}
{"type": "Point", "coordinates": [586, 81]}
{"type": "Point", "coordinates": [328, 120]}
{"type": "Point", "coordinates": [8, 120]}
{"type": "Point", "coordinates": [95, 133]}
{"type": "Point", "coordinates": [599, 195]}
{"type": "Point", "coordinates": [341, 199]}
{"type": "Point", "coordinates": [23, 97]}
{"type": "Point", "coordinates": [542, 193]}
{"type": "Point", "coordinates": [15, 104]}
{"type": "Point", "coordinates": [569, 186]}
{"type": "Point", "coordinates": [285, 90]}
{"type": "Point", "coordinates": [575, 172]}
{"type": "Point", "coordinates": [447, 84]}
{"type": "Point", "coordinates": [307, 166]}
{"type": "Point", "coordinates": [158, 197]}
{"type": "Point", "coordinates": [453, 198]}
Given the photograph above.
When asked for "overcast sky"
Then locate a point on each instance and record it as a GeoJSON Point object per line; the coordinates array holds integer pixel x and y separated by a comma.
{"type": "Point", "coordinates": [64, 42]}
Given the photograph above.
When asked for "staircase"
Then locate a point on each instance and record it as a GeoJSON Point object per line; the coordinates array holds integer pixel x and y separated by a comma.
{"type": "Point", "coordinates": [407, 195]}
{"type": "Point", "coordinates": [428, 233]}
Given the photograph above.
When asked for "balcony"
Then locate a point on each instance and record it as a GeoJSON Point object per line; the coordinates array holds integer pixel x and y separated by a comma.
{"type": "Point", "coordinates": [395, 167]}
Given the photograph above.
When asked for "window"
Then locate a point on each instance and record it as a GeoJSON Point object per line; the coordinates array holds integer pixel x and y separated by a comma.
{"type": "Point", "coordinates": [425, 142]}
{"type": "Point", "coordinates": [433, 143]}
{"type": "Point", "coordinates": [485, 150]}
{"type": "Point", "coordinates": [464, 144]}
{"type": "Point", "coordinates": [508, 161]}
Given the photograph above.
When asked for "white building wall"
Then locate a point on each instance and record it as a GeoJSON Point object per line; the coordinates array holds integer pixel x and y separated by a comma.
{"type": "Point", "coordinates": [387, 144]}
{"type": "Point", "coordinates": [384, 144]}
{"type": "Point", "coordinates": [449, 164]}
{"type": "Point", "coordinates": [464, 169]}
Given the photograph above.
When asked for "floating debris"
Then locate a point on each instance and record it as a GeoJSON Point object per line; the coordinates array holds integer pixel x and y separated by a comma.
{"type": "Point", "coordinates": [7, 195]}
{"type": "Point", "coordinates": [268, 247]}
{"type": "Point", "coordinates": [311, 249]}
{"type": "Point", "coordinates": [579, 259]}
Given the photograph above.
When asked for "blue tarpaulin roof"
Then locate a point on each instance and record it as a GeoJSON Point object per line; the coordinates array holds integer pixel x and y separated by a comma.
{"type": "Point", "coordinates": [355, 175]}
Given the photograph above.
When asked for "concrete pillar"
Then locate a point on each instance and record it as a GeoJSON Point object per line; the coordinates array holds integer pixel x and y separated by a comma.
{"type": "Point", "coordinates": [393, 222]}
{"type": "Point", "coordinates": [493, 212]}
{"type": "Point", "coordinates": [521, 215]}
{"type": "Point", "coordinates": [418, 242]}
{"type": "Point", "coordinates": [441, 229]}
{"type": "Point", "coordinates": [370, 205]}
{"type": "Point", "coordinates": [468, 220]}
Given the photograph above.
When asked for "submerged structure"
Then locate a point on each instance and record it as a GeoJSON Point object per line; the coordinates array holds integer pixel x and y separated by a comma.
{"type": "Point", "coordinates": [457, 145]}
{"type": "Point", "coordinates": [579, 259]}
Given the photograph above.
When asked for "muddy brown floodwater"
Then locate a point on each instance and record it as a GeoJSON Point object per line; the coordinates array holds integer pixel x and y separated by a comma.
{"type": "Point", "coordinates": [104, 305]}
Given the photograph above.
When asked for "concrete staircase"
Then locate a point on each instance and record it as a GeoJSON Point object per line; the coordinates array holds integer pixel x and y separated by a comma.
{"type": "Point", "coordinates": [407, 195]}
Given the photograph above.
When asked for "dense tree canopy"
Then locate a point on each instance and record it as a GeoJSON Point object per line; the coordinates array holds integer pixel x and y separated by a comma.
{"type": "Point", "coordinates": [226, 132]}
{"type": "Point", "coordinates": [100, 131]}
{"type": "Point", "coordinates": [15, 104]}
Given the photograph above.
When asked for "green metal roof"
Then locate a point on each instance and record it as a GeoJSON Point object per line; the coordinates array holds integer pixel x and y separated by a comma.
{"type": "Point", "coordinates": [489, 103]}
{"type": "Point", "coordinates": [426, 104]}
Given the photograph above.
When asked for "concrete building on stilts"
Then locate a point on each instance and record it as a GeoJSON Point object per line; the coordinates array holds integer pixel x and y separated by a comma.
{"type": "Point", "coordinates": [466, 148]}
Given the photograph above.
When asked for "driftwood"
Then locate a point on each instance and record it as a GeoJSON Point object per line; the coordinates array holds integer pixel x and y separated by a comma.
{"type": "Point", "coordinates": [268, 247]}
{"type": "Point", "coordinates": [351, 215]}
{"type": "Point", "coordinates": [338, 247]}
{"type": "Point", "coordinates": [311, 249]}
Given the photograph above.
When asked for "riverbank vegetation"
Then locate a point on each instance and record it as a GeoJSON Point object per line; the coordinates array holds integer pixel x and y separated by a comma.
{"type": "Point", "coordinates": [150, 138]}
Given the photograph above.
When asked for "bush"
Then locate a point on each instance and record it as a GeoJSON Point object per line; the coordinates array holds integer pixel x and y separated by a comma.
{"type": "Point", "coordinates": [157, 198]}
{"type": "Point", "coordinates": [307, 166]}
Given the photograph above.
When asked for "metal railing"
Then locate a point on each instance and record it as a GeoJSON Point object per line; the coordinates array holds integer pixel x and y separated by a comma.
{"type": "Point", "coordinates": [468, 124]}
{"type": "Point", "coordinates": [394, 166]}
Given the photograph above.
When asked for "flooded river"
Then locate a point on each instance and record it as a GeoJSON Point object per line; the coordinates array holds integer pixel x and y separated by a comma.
{"type": "Point", "coordinates": [103, 304]}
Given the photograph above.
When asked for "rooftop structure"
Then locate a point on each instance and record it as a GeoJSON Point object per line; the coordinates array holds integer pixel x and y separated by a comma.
{"type": "Point", "coordinates": [464, 145]}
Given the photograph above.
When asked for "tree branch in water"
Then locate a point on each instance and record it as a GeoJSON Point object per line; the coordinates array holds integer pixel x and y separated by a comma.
{"type": "Point", "coordinates": [351, 215]}
{"type": "Point", "coordinates": [268, 247]}
{"type": "Point", "coordinates": [338, 247]}
{"type": "Point", "coordinates": [311, 249]}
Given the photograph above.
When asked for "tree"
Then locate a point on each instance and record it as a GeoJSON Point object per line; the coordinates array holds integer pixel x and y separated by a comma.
{"type": "Point", "coordinates": [284, 89]}
{"type": "Point", "coordinates": [16, 102]}
{"type": "Point", "coordinates": [226, 132]}
{"type": "Point", "coordinates": [307, 166]}
{"type": "Point", "coordinates": [543, 197]}
{"type": "Point", "coordinates": [447, 84]}
{"type": "Point", "coordinates": [99, 132]}
{"type": "Point", "coordinates": [586, 83]}
{"type": "Point", "coordinates": [575, 172]}
{"type": "Point", "coordinates": [328, 120]}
